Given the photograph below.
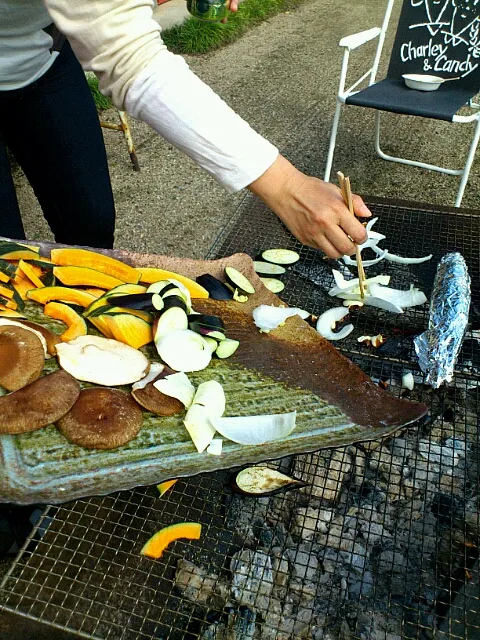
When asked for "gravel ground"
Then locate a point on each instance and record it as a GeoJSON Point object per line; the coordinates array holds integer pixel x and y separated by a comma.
{"type": "Point", "coordinates": [282, 77]}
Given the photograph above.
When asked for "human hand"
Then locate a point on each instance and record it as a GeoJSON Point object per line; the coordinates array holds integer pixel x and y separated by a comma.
{"type": "Point", "coordinates": [313, 210]}
{"type": "Point", "coordinates": [233, 7]}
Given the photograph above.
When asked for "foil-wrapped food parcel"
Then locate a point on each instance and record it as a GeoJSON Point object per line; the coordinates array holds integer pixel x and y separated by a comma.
{"type": "Point", "coordinates": [438, 347]}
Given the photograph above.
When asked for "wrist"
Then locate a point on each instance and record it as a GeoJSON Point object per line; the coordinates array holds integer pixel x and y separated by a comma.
{"type": "Point", "coordinates": [278, 181]}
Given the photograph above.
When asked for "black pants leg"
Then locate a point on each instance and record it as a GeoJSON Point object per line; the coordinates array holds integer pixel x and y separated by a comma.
{"type": "Point", "coordinates": [52, 129]}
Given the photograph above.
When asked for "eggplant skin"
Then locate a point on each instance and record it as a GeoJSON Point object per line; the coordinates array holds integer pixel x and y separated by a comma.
{"type": "Point", "coordinates": [217, 290]}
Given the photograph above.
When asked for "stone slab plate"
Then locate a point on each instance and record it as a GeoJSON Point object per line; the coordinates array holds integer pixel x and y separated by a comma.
{"type": "Point", "coordinates": [292, 368]}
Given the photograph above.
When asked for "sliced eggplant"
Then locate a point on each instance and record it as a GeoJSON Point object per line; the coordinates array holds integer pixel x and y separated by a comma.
{"type": "Point", "coordinates": [226, 348]}
{"type": "Point", "coordinates": [217, 290]}
{"type": "Point", "coordinates": [280, 256]}
{"type": "Point", "coordinates": [158, 287]}
{"type": "Point", "coordinates": [273, 284]}
{"type": "Point", "coordinates": [239, 281]}
{"type": "Point", "coordinates": [175, 291]}
{"type": "Point", "coordinates": [207, 332]}
{"type": "Point", "coordinates": [256, 481]}
{"type": "Point", "coordinates": [140, 301]}
{"type": "Point", "coordinates": [174, 301]}
{"type": "Point", "coordinates": [214, 322]}
{"type": "Point", "coordinates": [157, 301]}
{"type": "Point", "coordinates": [171, 319]}
{"type": "Point", "coordinates": [268, 268]}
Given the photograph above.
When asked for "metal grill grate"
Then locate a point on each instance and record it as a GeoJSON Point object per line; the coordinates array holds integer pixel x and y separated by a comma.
{"type": "Point", "coordinates": [382, 544]}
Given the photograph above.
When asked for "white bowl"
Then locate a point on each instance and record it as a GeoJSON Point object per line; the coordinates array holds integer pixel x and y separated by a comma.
{"type": "Point", "coordinates": [422, 82]}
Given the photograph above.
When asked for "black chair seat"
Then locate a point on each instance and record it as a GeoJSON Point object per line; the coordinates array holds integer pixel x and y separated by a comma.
{"type": "Point", "coordinates": [393, 95]}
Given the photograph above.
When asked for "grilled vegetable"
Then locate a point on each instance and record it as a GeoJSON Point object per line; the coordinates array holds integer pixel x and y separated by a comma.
{"type": "Point", "coordinates": [255, 481]}
{"type": "Point", "coordinates": [273, 284]}
{"type": "Point", "coordinates": [238, 280]}
{"type": "Point", "coordinates": [268, 268]}
{"type": "Point", "coordinates": [157, 544]}
{"type": "Point", "coordinates": [215, 287]}
{"type": "Point", "coordinates": [280, 256]}
{"type": "Point", "coordinates": [205, 325]}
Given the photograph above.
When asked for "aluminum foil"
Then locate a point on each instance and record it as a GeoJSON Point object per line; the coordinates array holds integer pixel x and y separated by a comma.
{"type": "Point", "coordinates": [438, 347]}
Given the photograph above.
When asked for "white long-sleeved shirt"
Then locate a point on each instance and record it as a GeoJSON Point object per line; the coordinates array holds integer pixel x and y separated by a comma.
{"type": "Point", "coordinates": [120, 41]}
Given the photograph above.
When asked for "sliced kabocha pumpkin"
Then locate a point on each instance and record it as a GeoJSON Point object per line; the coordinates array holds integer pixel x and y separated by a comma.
{"type": "Point", "coordinates": [91, 312]}
{"type": "Point", "coordinates": [9, 313]}
{"type": "Point", "coordinates": [7, 271]}
{"type": "Point", "coordinates": [85, 277]}
{"type": "Point", "coordinates": [76, 325]}
{"type": "Point", "coordinates": [157, 544]}
{"type": "Point", "coordinates": [16, 251]}
{"type": "Point", "coordinates": [32, 273]}
{"type": "Point", "coordinates": [129, 329]}
{"type": "Point", "coordinates": [6, 291]}
{"type": "Point", "coordinates": [8, 303]}
{"type": "Point", "coordinates": [98, 293]}
{"type": "Point", "coordinates": [149, 275]}
{"type": "Point", "coordinates": [93, 260]}
{"type": "Point", "coordinates": [61, 294]}
{"type": "Point", "coordinates": [21, 286]}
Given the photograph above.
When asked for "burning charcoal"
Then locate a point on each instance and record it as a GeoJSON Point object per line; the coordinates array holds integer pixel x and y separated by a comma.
{"type": "Point", "coordinates": [252, 578]}
{"type": "Point", "coordinates": [359, 464]}
{"type": "Point", "coordinates": [325, 471]}
{"type": "Point", "coordinates": [361, 585]}
{"type": "Point", "coordinates": [444, 456]}
{"type": "Point", "coordinates": [307, 521]}
{"type": "Point", "coordinates": [198, 587]}
{"type": "Point", "coordinates": [281, 575]}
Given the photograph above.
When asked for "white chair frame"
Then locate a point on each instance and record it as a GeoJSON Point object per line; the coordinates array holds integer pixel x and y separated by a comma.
{"type": "Point", "coordinates": [356, 40]}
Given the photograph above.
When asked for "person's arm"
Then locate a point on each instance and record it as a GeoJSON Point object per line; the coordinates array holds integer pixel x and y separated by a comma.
{"type": "Point", "coordinates": [120, 41]}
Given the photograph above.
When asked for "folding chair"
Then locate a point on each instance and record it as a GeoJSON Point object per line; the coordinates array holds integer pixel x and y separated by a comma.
{"type": "Point", "coordinates": [434, 37]}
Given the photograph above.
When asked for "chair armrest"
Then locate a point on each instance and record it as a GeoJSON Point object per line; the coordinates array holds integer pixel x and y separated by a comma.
{"type": "Point", "coordinates": [357, 39]}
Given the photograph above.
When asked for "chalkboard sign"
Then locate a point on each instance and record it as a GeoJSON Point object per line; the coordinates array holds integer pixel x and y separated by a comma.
{"type": "Point", "coordinates": [438, 37]}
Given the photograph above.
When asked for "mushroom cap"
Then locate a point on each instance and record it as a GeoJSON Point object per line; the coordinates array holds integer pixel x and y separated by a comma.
{"type": "Point", "coordinates": [51, 338]}
{"type": "Point", "coordinates": [101, 418]}
{"type": "Point", "coordinates": [22, 357]}
{"type": "Point", "coordinates": [157, 402]}
{"type": "Point", "coordinates": [38, 404]}
{"type": "Point", "coordinates": [102, 361]}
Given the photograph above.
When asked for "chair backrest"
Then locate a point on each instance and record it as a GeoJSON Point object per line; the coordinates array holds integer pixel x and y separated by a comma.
{"type": "Point", "coordinates": [440, 38]}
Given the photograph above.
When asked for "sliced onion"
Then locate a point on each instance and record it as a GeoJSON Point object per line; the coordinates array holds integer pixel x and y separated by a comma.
{"type": "Point", "coordinates": [328, 319]}
{"type": "Point", "coordinates": [211, 395]}
{"type": "Point", "coordinates": [155, 369]}
{"type": "Point", "coordinates": [367, 263]}
{"type": "Point", "coordinates": [184, 350]}
{"type": "Point", "coordinates": [408, 381]}
{"type": "Point", "coordinates": [177, 386]}
{"type": "Point", "coordinates": [353, 286]}
{"type": "Point", "coordinates": [199, 426]}
{"type": "Point", "coordinates": [253, 430]}
{"type": "Point", "coordinates": [215, 447]}
{"type": "Point", "coordinates": [392, 257]}
{"type": "Point", "coordinates": [268, 317]}
{"type": "Point", "coordinates": [410, 298]}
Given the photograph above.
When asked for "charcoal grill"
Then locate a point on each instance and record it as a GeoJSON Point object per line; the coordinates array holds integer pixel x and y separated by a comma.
{"type": "Point", "coordinates": [393, 552]}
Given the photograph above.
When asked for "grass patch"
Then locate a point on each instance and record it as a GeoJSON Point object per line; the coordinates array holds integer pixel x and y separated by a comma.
{"type": "Point", "coordinates": [101, 102]}
{"type": "Point", "coordinates": [194, 36]}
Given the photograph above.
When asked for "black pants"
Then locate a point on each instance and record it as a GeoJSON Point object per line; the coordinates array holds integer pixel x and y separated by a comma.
{"type": "Point", "coordinates": [52, 129]}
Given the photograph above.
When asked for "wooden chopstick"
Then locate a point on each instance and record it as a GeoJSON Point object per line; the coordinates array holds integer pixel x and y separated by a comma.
{"type": "Point", "coordinates": [347, 197]}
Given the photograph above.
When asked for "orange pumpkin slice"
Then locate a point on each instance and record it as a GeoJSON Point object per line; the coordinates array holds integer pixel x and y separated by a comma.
{"type": "Point", "coordinates": [76, 325]}
{"type": "Point", "coordinates": [163, 487]}
{"type": "Point", "coordinates": [149, 275]}
{"type": "Point", "coordinates": [157, 544]}
{"type": "Point", "coordinates": [63, 294]}
{"type": "Point", "coordinates": [85, 258]}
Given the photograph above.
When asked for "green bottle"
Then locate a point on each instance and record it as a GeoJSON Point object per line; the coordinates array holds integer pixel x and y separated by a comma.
{"type": "Point", "coordinates": [209, 10]}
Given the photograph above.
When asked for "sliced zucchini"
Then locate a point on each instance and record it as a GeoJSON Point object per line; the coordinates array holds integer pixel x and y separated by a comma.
{"type": "Point", "coordinates": [176, 291]}
{"type": "Point", "coordinates": [215, 287]}
{"type": "Point", "coordinates": [211, 342]}
{"type": "Point", "coordinates": [280, 256]}
{"type": "Point", "coordinates": [226, 348]}
{"type": "Point", "coordinates": [268, 268]}
{"type": "Point", "coordinates": [238, 280]}
{"type": "Point", "coordinates": [273, 284]}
